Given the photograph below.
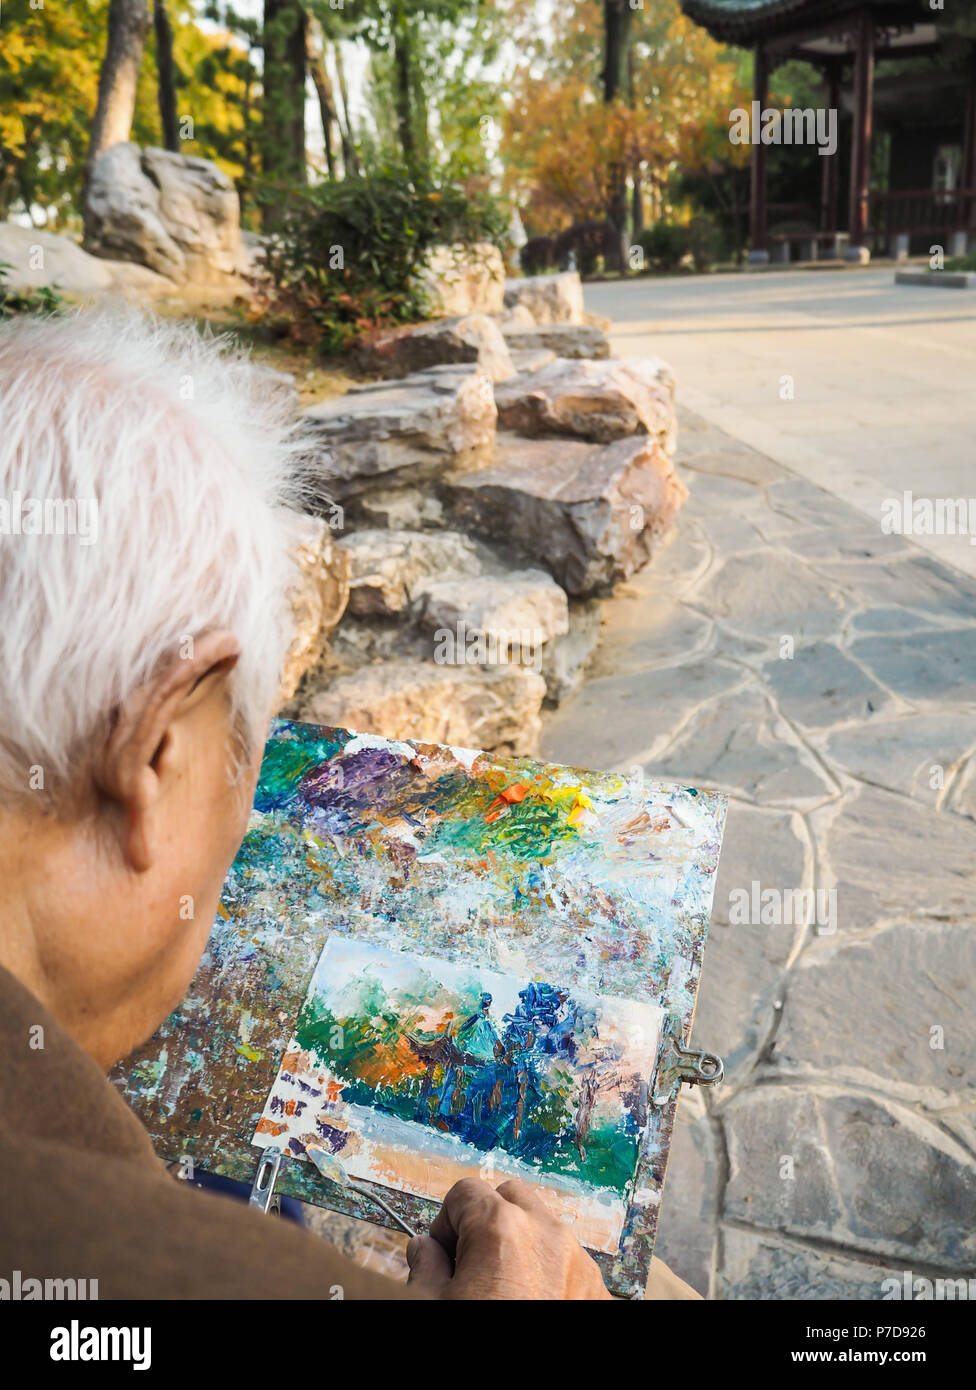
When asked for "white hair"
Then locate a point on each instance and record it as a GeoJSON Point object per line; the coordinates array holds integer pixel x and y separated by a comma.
{"type": "Point", "coordinates": [189, 457]}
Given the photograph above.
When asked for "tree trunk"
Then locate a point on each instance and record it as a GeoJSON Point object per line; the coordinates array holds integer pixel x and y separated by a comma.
{"type": "Point", "coordinates": [617, 16]}
{"type": "Point", "coordinates": [401, 69]}
{"type": "Point", "coordinates": [637, 204]}
{"type": "Point", "coordinates": [166, 76]}
{"type": "Point", "coordinates": [128, 25]}
{"type": "Point", "coordinates": [350, 159]}
{"type": "Point", "coordinates": [323, 90]}
{"type": "Point", "coordinates": [283, 106]}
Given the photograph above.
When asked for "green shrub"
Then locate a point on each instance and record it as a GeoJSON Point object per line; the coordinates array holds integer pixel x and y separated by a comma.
{"type": "Point", "coordinates": [704, 241]}
{"type": "Point", "coordinates": [40, 301]}
{"type": "Point", "coordinates": [961, 262]}
{"type": "Point", "coordinates": [345, 256]}
{"type": "Point", "coordinates": [665, 245]}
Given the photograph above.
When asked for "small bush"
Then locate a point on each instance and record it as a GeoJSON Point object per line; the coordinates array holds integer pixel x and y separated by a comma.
{"type": "Point", "coordinates": [40, 301]}
{"type": "Point", "coordinates": [345, 256]}
{"type": "Point", "coordinates": [704, 241]}
{"type": "Point", "coordinates": [538, 255]}
{"type": "Point", "coordinates": [665, 245]}
{"type": "Point", "coordinates": [589, 241]}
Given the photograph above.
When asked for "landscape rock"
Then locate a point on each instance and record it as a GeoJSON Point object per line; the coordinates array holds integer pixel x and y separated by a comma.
{"type": "Point", "coordinates": [564, 339]}
{"type": "Point", "coordinates": [177, 214]}
{"type": "Point", "coordinates": [597, 401]}
{"type": "Point", "coordinates": [522, 609]}
{"type": "Point", "coordinates": [495, 708]}
{"type": "Point", "coordinates": [402, 432]}
{"type": "Point", "coordinates": [400, 509]}
{"type": "Point", "coordinates": [470, 338]}
{"type": "Point", "coordinates": [531, 360]}
{"type": "Point", "coordinates": [390, 569]}
{"type": "Point", "coordinates": [318, 596]}
{"type": "Point", "coordinates": [548, 298]}
{"type": "Point", "coordinates": [564, 658]}
{"type": "Point", "coordinates": [47, 260]}
{"type": "Point", "coordinates": [519, 316]}
{"type": "Point", "coordinates": [600, 321]}
{"type": "Point", "coordinates": [591, 514]}
{"type": "Point", "coordinates": [463, 280]}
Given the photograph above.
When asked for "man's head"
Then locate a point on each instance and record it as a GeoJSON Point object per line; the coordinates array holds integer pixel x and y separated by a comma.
{"type": "Point", "coordinates": [143, 564]}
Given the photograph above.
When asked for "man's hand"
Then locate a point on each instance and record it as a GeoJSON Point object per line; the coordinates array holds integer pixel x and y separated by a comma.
{"type": "Point", "coordinates": [501, 1242]}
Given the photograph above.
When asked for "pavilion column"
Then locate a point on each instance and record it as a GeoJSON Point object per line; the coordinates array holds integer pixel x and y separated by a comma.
{"type": "Point", "coordinates": [968, 172]}
{"type": "Point", "coordinates": [828, 177]}
{"type": "Point", "coordinates": [758, 234]}
{"type": "Point", "coordinates": [861, 137]}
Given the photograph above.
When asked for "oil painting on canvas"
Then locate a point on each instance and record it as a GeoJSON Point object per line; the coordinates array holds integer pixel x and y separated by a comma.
{"type": "Point", "coordinates": [415, 1073]}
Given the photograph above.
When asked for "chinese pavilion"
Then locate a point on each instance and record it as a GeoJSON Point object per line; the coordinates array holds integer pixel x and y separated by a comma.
{"type": "Point", "coordinates": [926, 111]}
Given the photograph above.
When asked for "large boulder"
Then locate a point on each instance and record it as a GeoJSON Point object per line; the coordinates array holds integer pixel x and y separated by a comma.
{"type": "Point", "coordinates": [564, 659]}
{"type": "Point", "coordinates": [463, 280]}
{"type": "Point", "coordinates": [548, 298]}
{"type": "Point", "coordinates": [564, 339]}
{"type": "Point", "coordinates": [414, 347]}
{"type": "Point", "coordinates": [590, 513]}
{"type": "Point", "coordinates": [390, 570]}
{"type": "Point", "coordinates": [601, 401]}
{"type": "Point", "coordinates": [47, 260]}
{"type": "Point", "coordinates": [520, 610]}
{"type": "Point", "coordinates": [317, 595]}
{"type": "Point", "coordinates": [395, 434]}
{"type": "Point", "coordinates": [495, 708]}
{"type": "Point", "coordinates": [177, 214]}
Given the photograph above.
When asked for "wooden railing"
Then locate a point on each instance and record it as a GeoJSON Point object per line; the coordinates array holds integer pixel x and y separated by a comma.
{"type": "Point", "coordinates": [924, 210]}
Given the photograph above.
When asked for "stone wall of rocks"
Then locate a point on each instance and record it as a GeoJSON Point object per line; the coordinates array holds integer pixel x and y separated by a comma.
{"type": "Point", "coordinates": [492, 489]}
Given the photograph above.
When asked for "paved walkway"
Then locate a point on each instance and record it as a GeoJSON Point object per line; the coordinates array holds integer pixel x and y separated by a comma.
{"type": "Point", "coordinates": [883, 376]}
{"type": "Point", "coordinates": [824, 674]}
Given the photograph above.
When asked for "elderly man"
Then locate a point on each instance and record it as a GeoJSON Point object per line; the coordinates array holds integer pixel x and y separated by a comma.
{"type": "Point", "coordinates": [142, 572]}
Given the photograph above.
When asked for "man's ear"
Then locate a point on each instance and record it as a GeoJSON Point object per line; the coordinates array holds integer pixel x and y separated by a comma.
{"type": "Point", "coordinates": [127, 770]}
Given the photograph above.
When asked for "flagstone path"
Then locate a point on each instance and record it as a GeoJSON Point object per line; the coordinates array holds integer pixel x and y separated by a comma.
{"type": "Point", "coordinates": [824, 674]}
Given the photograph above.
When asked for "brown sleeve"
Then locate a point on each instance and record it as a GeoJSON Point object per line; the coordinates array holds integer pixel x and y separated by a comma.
{"type": "Point", "coordinates": [142, 1234]}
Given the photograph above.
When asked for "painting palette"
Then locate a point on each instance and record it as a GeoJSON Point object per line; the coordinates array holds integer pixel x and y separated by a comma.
{"type": "Point", "coordinates": [437, 964]}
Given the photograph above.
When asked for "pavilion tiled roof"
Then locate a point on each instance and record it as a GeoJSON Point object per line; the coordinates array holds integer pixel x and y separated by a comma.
{"type": "Point", "coordinates": [744, 21]}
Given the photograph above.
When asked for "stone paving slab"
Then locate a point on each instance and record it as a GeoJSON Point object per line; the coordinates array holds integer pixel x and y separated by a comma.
{"type": "Point", "coordinates": [824, 675]}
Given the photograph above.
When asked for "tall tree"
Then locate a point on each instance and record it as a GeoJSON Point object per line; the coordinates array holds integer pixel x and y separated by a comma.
{"type": "Point", "coordinates": [128, 25]}
{"type": "Point", "coordinates": [283, 116]}
{"type": "Point", "coordinates": [166, 73]}
{"type": "Point", "coordinates": [350, 159]}
{"type": "Point", "coordinates": [617, 16]}
{"type": "Point", "coordinates": [315, 54]}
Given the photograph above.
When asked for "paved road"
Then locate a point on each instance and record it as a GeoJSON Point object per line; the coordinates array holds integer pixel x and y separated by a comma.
{"type": "Point", "coordinates": [824, 675]}
{"type": "Point", "coordinates": [884, 376]}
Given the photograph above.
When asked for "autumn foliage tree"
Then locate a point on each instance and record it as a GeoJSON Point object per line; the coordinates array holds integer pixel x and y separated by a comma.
{"type": "Point", "coordinates": [610, 99]}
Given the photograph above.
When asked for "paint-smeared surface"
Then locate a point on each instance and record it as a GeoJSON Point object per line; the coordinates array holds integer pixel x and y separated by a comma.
{"type": "Point", "coordinates": [587, 882]}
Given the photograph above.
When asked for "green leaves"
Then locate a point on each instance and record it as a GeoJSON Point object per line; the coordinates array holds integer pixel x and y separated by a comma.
{"type": "Point", "coordinates": [346, 255]}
